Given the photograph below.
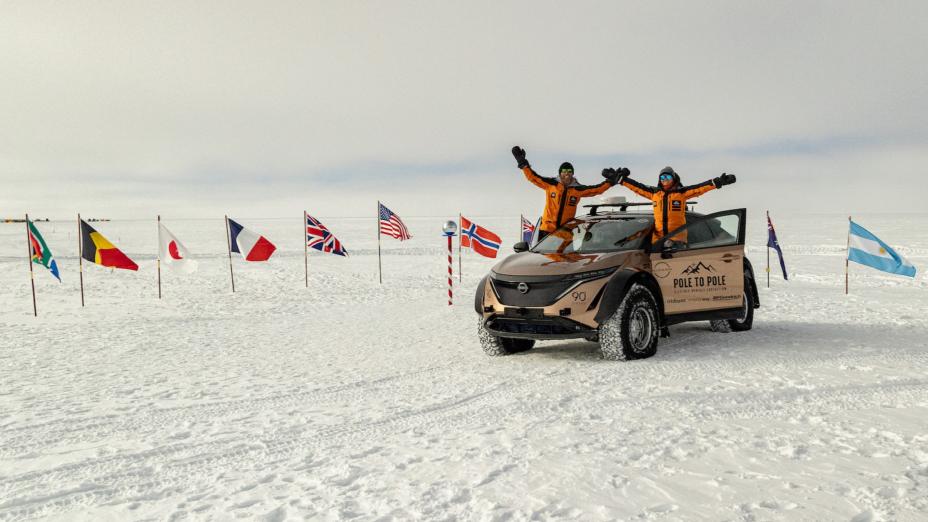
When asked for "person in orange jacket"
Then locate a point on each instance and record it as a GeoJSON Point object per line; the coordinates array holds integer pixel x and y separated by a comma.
{"type": "Point", "coordinates": [563, 192]}
{"type": "Point", "coordinates": [669, 197]}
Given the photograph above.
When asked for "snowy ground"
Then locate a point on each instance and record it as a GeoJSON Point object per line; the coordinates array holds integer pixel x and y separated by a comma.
{"type": "Point", "coordinates": [354, 400]}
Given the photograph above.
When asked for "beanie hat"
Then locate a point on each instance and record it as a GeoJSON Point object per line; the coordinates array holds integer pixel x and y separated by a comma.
{"type": "Point", "coordinates": [668, 170]}
{"type": "Point", "coordinates": [566, 165]}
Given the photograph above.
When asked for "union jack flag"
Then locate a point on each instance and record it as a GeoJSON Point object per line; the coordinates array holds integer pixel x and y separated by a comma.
{"type": "Point", "coordinates": [527, 230]}
{"type": "Point", "coordinates": [319, 237]}
{"type": "Point", "coordinates": [391, 224]}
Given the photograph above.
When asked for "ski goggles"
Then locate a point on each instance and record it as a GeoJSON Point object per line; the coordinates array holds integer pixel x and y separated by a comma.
{"type": "Point", "coordinates": [567, 171]}
{"type": "Point", "coordinates": [666, 177]}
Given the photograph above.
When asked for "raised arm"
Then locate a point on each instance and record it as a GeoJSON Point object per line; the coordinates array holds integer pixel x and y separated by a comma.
{"type": "Point", "coordinates": [641, 189]}
{"type": "Point", "coordinates": [531, 175]}
{"type": "Point", "coordinates": [694, 191]}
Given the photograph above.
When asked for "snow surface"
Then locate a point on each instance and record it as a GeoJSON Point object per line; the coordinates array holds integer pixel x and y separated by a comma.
{"type": "Point", "coordinates": [352, 400]}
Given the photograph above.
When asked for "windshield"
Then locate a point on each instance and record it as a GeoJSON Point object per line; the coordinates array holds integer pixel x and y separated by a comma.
{"type": "Point", "coordinates": [596, 236]}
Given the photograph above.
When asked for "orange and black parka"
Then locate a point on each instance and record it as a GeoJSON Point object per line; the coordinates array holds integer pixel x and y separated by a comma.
{"type": "Point", "coordinates": [561, 202]}
{"type": "Point", "coordinates": [669, 205]}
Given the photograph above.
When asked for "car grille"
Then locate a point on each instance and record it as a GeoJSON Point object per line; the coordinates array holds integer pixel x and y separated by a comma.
{"type": "Point", "coordinates": [539, 294]}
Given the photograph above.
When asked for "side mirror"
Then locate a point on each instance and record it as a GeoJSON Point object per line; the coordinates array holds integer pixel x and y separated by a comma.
{"type": "Point", "coordinates": [668, 247]}
{"type": "Point", "coordinates": [521, 246]}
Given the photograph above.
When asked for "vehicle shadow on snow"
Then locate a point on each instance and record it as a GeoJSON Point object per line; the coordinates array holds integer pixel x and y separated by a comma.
{"type": "Point", "coordinates": [787, 339]}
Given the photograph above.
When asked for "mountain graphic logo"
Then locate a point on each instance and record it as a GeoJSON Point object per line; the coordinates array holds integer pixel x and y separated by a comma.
{"type": "Point", "coordinates": [698, 268]}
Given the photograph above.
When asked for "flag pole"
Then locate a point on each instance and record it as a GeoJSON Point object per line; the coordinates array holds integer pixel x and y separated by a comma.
{"type": "Point", "coordinates": [768, 250]}
{"type": "Point", "coordinates": [379, 264]}
{"type": "Point", "coordinates": [159, 256]}
{"type": "Point", "coordinates": [305, 251]}
{"type": "Point", "coordinates": [460, 270]}
{"type": "Point", "coordinates": [80, 256]}
{"type": "Point", "coordinates": [847, 255]}
{"type": "Point", "coordinates": [229, 245]}
{"type": "Point", "coordinates": [35, 311]}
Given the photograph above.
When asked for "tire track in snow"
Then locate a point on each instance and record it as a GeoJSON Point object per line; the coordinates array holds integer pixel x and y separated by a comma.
{"type": "Point", "coordinates": [181, 465]}
{"type": "Point", "coordinates": [44, 435]}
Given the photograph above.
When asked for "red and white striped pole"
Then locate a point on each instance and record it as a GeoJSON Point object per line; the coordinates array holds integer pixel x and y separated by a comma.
{"type": "Point", "coordinates": [449, 231]}
{"type": "Point", "coordinates": [450, 275]}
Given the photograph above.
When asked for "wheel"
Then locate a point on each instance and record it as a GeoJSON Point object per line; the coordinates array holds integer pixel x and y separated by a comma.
{"type": "Point", "coordinates": [632, 331]}
{"type": "Point", "coordinates": [496, 346]}
{"type": "Point", "coordinates": [743, 323]}
{"type": "Point", "coordinates": [746, 321]}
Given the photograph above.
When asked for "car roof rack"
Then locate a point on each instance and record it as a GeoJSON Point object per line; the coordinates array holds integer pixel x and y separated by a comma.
{"type": "Point", "coordinates": [623, 206]}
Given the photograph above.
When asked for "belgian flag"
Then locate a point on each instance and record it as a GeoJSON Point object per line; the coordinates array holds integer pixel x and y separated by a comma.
{"type": "Point", "coordinates": [97, 249]}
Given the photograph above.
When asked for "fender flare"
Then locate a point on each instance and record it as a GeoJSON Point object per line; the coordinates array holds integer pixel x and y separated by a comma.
{"type": "Point", "coordinates": [478, 297]}
{"type": "Point", "coordinates": [749, 275]}
{"type": "Point", "coordinates": [616, 288]}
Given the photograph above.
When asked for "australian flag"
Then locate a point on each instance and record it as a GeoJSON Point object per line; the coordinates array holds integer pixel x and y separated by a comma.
{"type": "Point", "coordinates": [774, 244]}
{"type": "Point", "coordinates": [319, 237]}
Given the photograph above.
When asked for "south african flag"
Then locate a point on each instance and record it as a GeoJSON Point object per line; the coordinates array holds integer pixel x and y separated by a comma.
{"type": "Point", "coordinates": [40, 253]}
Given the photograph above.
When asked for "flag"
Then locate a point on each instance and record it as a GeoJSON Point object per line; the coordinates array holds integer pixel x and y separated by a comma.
{"type": "Point", "coordinates": [97, 249]}
{"type": "Point", "coordinates": [40, 253]}
{"type": "Point", "coordinates": [774, 244]}
{"type": "Point", "coordinates": [252, 246]}
{"type": "Point", "coordinates": [173, 253]}
{"type": "Point", "coordinates": [527, 230]}
{"type": "Point", "coordinates": [869, 250]}
{"type": "Point", "coordinates": [319, 237]}
{"type": "Point", "coordinates": [391, 224]}
{"type": "Point", "coordinates": [479, 239]}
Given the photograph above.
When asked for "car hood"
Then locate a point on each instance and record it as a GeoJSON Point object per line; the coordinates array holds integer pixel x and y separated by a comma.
{"type": "Point", "coordinates": [534, 264]}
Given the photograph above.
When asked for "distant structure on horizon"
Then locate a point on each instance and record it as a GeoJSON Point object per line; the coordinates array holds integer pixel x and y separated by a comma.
{"type": "Point", "coordinates": [22, 220]}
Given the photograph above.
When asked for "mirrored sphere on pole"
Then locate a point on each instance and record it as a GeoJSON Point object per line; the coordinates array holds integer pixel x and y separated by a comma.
{"type": "Point", "coordinates": [449, 228]}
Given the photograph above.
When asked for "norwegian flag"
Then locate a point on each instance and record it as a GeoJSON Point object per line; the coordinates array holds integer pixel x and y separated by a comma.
{"type": "Point", "coordinates": [391, 224]}
{"type": "Point", "coordinates": [479, 239]}
{"type": "Point", "coordinates": [527, 230]}
{"type": "Point", "coordinates": [319, 237]}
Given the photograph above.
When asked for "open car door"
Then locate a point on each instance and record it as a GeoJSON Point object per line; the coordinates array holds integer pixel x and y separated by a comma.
{"type": "Point", "coordinates": [700, 266]}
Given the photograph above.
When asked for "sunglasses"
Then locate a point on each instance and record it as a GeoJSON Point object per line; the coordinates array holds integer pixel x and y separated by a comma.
{"type": "Point", "coordinates": [567, 171]}
{"type": "Point", "coordinates": [666, 177]}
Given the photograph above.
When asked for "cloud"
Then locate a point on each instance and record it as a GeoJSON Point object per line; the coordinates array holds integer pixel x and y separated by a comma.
{"type": "Point", "coordinates": [202, 105]}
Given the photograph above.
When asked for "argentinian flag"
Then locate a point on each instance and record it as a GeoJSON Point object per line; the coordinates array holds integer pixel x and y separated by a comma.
{"type": "Point", "coordinates": [867, 249]}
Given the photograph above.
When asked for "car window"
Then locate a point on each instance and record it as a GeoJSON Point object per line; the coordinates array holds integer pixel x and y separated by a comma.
{"type": "Point", "coordinates": [597, 236]}
{"type": "Point", "coordinates": [708, 233]}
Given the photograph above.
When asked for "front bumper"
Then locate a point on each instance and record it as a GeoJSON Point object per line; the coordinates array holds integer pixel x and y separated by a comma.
{"type": "Point", "coordinates": [531, 323]}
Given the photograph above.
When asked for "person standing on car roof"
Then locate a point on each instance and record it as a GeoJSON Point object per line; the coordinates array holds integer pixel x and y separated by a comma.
{"type": "Point", "coordinates": [563, 192]}
{"type": "Point", "coordinates": [669, 197]}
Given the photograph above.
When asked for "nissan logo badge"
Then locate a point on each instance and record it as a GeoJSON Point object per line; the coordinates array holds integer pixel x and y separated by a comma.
{"type": "Point", "coordinates": [523, 288]}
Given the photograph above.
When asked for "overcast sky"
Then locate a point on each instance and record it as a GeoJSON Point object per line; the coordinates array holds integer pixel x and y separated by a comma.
{"type": "Point", "coordinates": [193, 109]}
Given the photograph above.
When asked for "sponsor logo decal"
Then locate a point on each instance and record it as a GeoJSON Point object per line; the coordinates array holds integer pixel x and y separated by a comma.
{"type": "Point", "coordinates": [698, 268]}
{"type": "Point", "coordinates": [699, 275]}
{"type": "Point", "coordinates": [573, 201]}
{"type": "Point", "coordinates": [661, 270]}
{"type": "Point", "coordinates": [675, 205]}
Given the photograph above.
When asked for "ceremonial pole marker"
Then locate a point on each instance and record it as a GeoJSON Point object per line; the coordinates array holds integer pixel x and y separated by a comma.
{"type": "Point", "coordinates": [449, 230]}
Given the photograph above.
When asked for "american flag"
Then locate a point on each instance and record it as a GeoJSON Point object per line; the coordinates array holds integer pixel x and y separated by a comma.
{"type": "Point", "coordinates": [527, 230]}
{"type": "Point", "coordinates": [319, 237]}
{"type": "Point", "coordinates": [391, 224]}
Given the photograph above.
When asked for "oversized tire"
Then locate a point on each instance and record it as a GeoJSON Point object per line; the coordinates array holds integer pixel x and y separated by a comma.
{"type": "Point", "coordinates": [743, 323]}
{"type": "Point", "coordinates": [632, 331]}
{"type": "Point", "coordinates": [496, 346]}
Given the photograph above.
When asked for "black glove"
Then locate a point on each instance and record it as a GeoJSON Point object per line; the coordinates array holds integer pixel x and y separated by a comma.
{"type": "Point", "coordinates": [519, 153]}
{"type": "Point", "coordinates": [724, 179]}
{"type": "Point", "coordinates": [615, 176]}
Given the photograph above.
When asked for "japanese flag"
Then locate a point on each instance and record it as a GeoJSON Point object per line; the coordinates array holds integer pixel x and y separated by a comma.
{"type": "Point", "coordinates": [173, 253]}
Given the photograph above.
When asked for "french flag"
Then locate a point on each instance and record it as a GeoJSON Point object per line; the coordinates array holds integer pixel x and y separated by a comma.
{"type": "Point", "coordinates": [252, 246]}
